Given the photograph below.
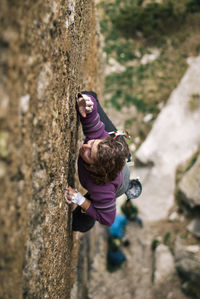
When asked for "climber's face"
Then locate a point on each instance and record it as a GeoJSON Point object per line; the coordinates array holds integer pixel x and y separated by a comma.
{"type": "Point", "coordinates": [88, 150]}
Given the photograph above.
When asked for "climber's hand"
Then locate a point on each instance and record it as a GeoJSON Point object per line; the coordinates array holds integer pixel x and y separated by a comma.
{"type": "Point", "coordinates": [73, 196]}
{"type": "Point", "coordinates": [85, 104]}
{"type": "Point", "coordinates": [69, 193]}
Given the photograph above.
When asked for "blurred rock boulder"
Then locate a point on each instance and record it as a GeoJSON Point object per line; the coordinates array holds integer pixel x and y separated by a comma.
{"type": "Point", "coordinates": [187, 262]}
{"type": "Point", "coordinates": [189, 186]}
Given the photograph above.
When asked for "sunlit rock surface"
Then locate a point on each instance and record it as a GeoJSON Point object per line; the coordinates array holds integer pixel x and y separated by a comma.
{"type": "Point", "coordinates": [173, 139]}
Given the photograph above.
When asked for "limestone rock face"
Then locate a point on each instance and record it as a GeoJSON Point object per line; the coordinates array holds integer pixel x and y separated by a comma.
{"type": "Point", "coordinates": [173, 139]}
{"type": "Point", "coordinates": [49, 51]}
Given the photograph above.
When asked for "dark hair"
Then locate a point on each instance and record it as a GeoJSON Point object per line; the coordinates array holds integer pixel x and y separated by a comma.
{"type": "Point", "coordinates": [110, 160]}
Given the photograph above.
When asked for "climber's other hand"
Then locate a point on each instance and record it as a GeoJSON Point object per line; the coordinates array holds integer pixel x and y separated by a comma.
{"type": "Point", "coordinates": [85, 104]}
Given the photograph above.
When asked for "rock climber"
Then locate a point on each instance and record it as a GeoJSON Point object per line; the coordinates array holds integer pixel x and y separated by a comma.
{"type": "Point", "coordinates": [102, 167]}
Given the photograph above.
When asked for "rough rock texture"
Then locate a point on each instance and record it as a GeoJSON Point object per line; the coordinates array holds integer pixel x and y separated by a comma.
{"type": "Point", "coordinates": [189, 186]}
{"type": "Point", "coordinates": [49, 51]}
{"type": "Point", "coordinates": [187, 261]}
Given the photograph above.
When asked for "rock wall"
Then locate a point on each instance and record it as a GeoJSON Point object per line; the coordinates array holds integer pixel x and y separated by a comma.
{"type": "Point", "coordinates": [91, 261]}
{"type": "Point", "coordinates": [49, 51]}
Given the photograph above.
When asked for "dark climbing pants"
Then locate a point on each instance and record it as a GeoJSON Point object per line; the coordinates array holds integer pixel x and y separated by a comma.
{"type": "Point", "coordinates": [82, 222]}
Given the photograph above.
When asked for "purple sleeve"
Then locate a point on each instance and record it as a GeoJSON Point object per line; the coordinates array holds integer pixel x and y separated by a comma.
{"type": "Point", "coordinates": [93, 127]}
{"type": "Point", "coordinates": [103, 204]}
{"type": "Point", "coordinates": [104, 216]}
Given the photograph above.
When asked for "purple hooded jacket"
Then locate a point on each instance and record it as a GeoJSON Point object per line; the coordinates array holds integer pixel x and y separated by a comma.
{"type": "Point", "coordinates": [103, 197]}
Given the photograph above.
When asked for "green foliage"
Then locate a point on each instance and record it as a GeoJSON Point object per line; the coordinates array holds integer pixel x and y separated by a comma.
{"type": "Point", "coordinates": [193, 160]}
{"type": "Point", "coordinates": [124, 50]}
{"type": "Point", "coordinates": [121, 98]}
{"type": "Point", "coordinates": [129, 210]}
{"type": "Point", "coordinates": [154, 20]}
{"type": "Point", "coordinates": [167, 238]}
{"type": "Point", "coordinates": [139, 103]}
{"type": "Point", "coordinates": [129, 122]}
{"type": "Point", "coordinates": [193, 6]}
{"type": "Point", "coordinates": [120, 86]}
{"type": "Point", "coordinates": [198, 48]}
{"type": "Point", "coordinates": [134, 28]}
{"type": "Point", "coordinates": [194, 101]}
{"type": "Point", "coordinates": [154, 244]}
{"type": "Point", "coordinates": [123, 78]}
